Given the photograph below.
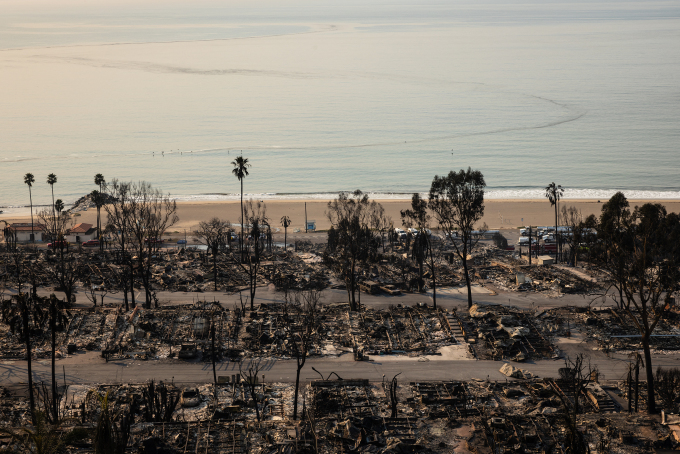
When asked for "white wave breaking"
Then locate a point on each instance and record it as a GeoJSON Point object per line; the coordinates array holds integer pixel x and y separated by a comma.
{"type": "Point", "coordinates": [491, 194]}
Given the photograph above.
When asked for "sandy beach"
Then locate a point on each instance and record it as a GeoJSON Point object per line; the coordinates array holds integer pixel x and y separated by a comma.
{"type": "Point", "coordinates": [506, 214]}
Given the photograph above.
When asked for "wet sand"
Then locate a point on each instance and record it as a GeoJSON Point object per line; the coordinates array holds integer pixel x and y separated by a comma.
{"type": "Point", "coordinates": [498, 214]}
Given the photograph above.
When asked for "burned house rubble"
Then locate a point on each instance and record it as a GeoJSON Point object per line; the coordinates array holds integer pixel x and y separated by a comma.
{"type": "Point", "coordinates": [350, 415]}
{"type": "Point", "coordinates": [183, 332]}
{"type": "Point", "coordinates": [345, 413]}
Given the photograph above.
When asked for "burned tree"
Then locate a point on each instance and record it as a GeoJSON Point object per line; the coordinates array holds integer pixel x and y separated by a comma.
{"type": "Point", "coordinates": [423, 248]}
{"type": "Point", "coordinates": [214, 235]}
{"type": "Point", "coordinates": [250, 377]}
{"type": "Point", "coordinates": [392, 388]}
{"type": "Point", "coordinates": [112, 433]}
{"type": "Point", "coordinates": [66, 272]}
{"type": "Point", "coordinates": [160, 402]}
{"type": "Point", "coordinates": [151, 213]}
{"type": "Point", "coordinates": [668, 388]}
{"type": "Point", "coordinates": [379, 221]}
{"type": "Point", "coordinates": [457, 201]}
{"type": "Point", "coordinates": [21, 313]}
{"type": "Point", "coordinates": [351, 243]}
{"type": "Point", "coordinates": [572, 218]}
{"type": "Point", "coordinates": [575, 376]}
{"type": "Point", "coordinates": [302, 334]}
{"type": "Point", "coordinates": [643, 267]}
{"type": "Point", "coordinates": [58, 317]}
{"type": "Point", "coordinates": [249, 259]}
{"type": "Point", "coordinates": [119, 216]}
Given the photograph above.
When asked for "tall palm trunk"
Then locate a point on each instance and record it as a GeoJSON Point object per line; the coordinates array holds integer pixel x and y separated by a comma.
{"type": "Point", "coordinates": [99, 227]}
{"type": "Point", "coordinates": [99, 222]}
{"type": "Point", "coordinates": [556, 237]}
{"type": "Point", "coordinates": [52, 186]}
{"type": "Point", "coordinates": [30, 197]}
{"type": "Point", "coordinates": [242, 220]}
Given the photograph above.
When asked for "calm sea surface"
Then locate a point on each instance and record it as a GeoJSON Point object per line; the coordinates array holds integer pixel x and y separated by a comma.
{"type": "Point", "coordinates": [324, 96]}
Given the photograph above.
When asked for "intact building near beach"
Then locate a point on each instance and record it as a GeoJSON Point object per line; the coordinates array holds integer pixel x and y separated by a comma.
{"type": "Point", "coordinates": [81, 232]}
{"type": "Point", "coordinates": [25, 231]}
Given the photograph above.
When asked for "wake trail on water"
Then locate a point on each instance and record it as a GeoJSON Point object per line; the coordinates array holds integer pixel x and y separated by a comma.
{"type": "Point", "coordinates": [330, 148]}
{"type": "Point", "coordinates": [134, 43]}
{"type": "Point", "coordinates": [316, 147]}
{"type": "Point", "coordinates": [156, 68]}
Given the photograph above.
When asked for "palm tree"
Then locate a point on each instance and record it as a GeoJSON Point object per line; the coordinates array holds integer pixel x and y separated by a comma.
{"type": "Point", "coordinates": [240, 170]}
{"type": "Point", "coordinates": [554, 193]}
{"type": "Point", "coordinates": [51, 180]}
{"type": "Point", "coordinates": [101, 182]}
{"type": "Point", "coordinates": [29, 179]}
{"type": "Point", "coordinates": [285, 222]}
{"type": "Point", "coordinates": [59, 206]}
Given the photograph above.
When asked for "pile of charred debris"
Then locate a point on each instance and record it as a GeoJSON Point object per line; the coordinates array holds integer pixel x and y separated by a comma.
{"type": "Point", "coordinates": [493, 332]}
{"type": "Point", "coordinates": [611, 328]}
{"type": "Point", "coordinates": [183, 331]}
{"type": "Point", "coordinates": [299, 268]}
{"type": "Point", "coordinates": [246, 414]}
{"type": "Point", "coordinates": [503, 332]}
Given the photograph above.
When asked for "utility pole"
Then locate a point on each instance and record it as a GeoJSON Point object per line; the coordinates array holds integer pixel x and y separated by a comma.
{"type": "Point", "coordinates": [637, 383]}
{"type": "Point", "coordinates": [630, 387]}
{"type": "Point", "coordinates": [305, 217]}
{"type": "Point", "coordinates": [530, 238]}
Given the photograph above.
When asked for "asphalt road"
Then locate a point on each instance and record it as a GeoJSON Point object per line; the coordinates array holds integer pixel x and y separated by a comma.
{"type": "Point", "coordinates": [88, 368]}
{"type": "Point", "coordinates": [446, 298]}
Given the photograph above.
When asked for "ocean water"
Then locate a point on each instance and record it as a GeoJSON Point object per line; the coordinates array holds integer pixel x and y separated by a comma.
{"type": "Point", "coordinates": [328, 96]}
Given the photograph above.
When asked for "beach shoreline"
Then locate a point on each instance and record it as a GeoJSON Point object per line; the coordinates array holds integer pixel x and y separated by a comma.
{"type": "Point", "coordinates": [498, 213]}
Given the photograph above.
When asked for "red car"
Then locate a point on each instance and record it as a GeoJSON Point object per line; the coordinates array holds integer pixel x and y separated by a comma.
{"type": "Point", "coordinates": [57, 244]}
{"type": "Point", "coordinates": [91, 243]}
{"type": "Point", "coordinates": [154, 240]}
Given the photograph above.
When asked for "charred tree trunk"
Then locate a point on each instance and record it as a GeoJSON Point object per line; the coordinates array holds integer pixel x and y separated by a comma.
{"type": "Point", "coordinates": [27, 338]}
{"type": "Point", "coordinates": [467, 281]}
{"type": "Point", "coordinates": [212, 342]}
{"type": "Point", "coordinates": [53, 327]}
{"type": "Point", "coordinates": [651, 403]}
{"type": "Point", "coordinates": [215, 267]}
{"type": "Point", "coordinates": [297, 388]}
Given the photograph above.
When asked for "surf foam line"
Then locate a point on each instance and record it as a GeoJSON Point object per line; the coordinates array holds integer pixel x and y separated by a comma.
{"type": "Point", "coordinates": [491, 194]}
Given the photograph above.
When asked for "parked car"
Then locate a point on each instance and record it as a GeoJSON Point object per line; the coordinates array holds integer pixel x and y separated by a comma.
{"type": "Point", "coordinates": [524, 240]}
{"type": "Point", "coordinates": [188, 351]}
{"type": "Point", "coordinates": [190, 397]}
{"type": "Point", "coordinates": [91, 243]}
{"type": "Point", "coordinates": [181, 241]}
{"type": "Point", "coordinates": [154, 240]}
{"type": "Point", "coordinates": [57, 244]}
